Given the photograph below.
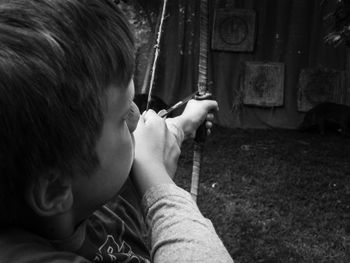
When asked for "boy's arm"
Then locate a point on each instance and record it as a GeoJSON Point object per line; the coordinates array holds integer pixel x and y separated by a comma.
{"type": "Point", "coordinates": [156, 153]}
{"type": "Point", "coordinates": [178, 231]}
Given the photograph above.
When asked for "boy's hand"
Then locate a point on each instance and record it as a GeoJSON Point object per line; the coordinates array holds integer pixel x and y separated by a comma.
{"type": "Point", "coordinates": [156, 152]}
{"type": "Point", "coordinates": [195, 113]}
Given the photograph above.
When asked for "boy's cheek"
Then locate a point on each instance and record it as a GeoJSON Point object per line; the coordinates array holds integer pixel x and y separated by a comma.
{"type": "Point", "coordinates": [133, 117]}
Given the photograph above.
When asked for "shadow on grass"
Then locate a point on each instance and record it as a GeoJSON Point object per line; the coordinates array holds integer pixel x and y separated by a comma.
{"type": "Point", "coordinates": [275, 195]}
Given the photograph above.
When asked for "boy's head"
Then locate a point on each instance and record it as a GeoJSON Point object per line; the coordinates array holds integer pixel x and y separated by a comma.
{"type": "Point", "coordinates": [58, 60]}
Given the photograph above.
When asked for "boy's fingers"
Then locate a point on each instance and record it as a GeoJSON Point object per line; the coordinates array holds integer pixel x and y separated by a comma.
{"type": "Point", "coordinates": [212, 105]}
{"type": "Point", "coordinates": [210, 117]}
{"type": "Point", "coordinates": [208, 124]}
{"type": "Point", "coordinates": [161, 112]}
{"type": "Point", "coordinates": [146, 115]}
{"type": "Point", "coordinates": [149, 115]}
{"type": "Point", "coordinates": [208, 132]}
{"type": "Point", "coordinates": [149, 112]}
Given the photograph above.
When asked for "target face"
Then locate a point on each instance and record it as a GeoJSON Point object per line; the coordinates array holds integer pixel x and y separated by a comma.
{"type": "Point", "coordinates": [318, 85]}
{"type": "Point", "coordinates": [263, 84]}
{"type": "Point", "coordinates": [234, 30]}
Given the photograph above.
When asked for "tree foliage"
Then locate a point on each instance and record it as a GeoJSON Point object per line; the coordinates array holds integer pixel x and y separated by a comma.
{"type": "Point", "coordinates": [337, 21]}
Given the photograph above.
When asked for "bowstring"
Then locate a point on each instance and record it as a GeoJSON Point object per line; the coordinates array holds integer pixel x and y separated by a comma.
{"type": "Point", "coordinates": [156, 54]}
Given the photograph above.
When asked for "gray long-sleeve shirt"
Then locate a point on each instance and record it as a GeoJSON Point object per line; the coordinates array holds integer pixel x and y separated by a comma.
{"type": "Point", "coordinates": [178, 233]}
{"type": "Point", "coordinates": [178, 230]}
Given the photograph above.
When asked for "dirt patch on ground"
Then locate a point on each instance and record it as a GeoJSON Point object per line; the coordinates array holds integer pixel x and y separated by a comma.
{"type": "Point", "coordinates": [275, 195]}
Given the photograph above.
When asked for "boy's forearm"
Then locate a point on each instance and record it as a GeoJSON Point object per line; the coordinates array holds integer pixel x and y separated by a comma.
{"type": "Point", "coordinates": [179, 232]}
{"type": "Point", "coordinates": [147, 176]}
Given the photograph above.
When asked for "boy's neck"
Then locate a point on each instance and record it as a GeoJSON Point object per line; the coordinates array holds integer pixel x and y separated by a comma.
{"type": "Point", "coordinates": [53, 228]}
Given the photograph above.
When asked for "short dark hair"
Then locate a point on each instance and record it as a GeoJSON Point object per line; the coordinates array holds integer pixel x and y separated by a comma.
{"type": "Point", "coordinates": [56, 59]}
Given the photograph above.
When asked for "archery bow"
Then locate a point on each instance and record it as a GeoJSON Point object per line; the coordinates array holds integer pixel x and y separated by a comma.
{"type": "Point", "coordinates": [202, 90]}
{"type": "Point", "coordinates": [202, 87]}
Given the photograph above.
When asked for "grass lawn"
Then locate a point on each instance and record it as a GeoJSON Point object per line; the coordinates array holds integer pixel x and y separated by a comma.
{"type": "Point", "coordinates": [275, 195]}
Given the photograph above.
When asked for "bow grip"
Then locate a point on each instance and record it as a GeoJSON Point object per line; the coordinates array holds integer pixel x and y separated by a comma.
{"type": "Point", "coordinates": [201, 133]}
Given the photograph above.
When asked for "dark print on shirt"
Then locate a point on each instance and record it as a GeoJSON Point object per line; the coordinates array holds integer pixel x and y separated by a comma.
{"type": "Point", "coordinates": [111, 251]}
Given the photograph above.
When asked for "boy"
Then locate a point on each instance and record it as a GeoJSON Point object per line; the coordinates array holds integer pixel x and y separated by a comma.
{"type": "Point", "coordinates": [70, 135]}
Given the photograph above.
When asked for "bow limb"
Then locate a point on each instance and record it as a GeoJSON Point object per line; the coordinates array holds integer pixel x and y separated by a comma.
{"type": "Point", "coordinates": [156, 53]}
{"type": "Point", "coordinates": [202, 89]}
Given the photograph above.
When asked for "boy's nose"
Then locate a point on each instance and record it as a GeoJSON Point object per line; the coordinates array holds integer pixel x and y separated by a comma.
{"type": "Point", "coordinates": [133, 117]}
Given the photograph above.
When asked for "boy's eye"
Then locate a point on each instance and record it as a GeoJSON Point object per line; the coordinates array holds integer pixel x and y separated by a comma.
{"type": "Point", "coordinates": [132, 117]}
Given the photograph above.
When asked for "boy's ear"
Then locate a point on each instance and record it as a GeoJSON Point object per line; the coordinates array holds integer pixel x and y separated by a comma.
{"type": "Point", "coordinates": [50, 194]}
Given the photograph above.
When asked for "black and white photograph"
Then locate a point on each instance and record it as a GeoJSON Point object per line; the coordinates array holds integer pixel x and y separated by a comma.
{"type": "Point", "coordinates": [167, 131]}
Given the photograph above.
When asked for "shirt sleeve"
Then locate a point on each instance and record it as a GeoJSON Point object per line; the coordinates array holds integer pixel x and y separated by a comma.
{"type": "Point", "coordinates": [178, 231]}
